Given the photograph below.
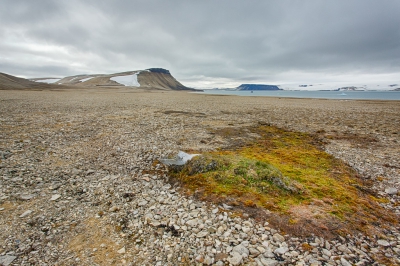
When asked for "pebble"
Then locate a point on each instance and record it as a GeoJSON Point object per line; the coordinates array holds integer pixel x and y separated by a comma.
{"type": "Point", "coordinates": [7, 260]}
{"type": "Point", "coordinates": [208, 260]}
{"type": "Point", "coordinates": [27, 196]}
{"type": "Point", "coordinates": [235, 259]}
{"type": "Point", "coordinates": [326, 252]}
{"type": "Point", "coordinates": [383, 243]}
{"type": "Point", "coordinates": [242, 250]}
{"type": "Point", "coordinates": [202, 234]}
{"type": "Point", "coordinates": [55, 197]}
{"type": "Point", "coordinates": [121, 251]}
{"type": "Point", "coordinates": [269, 262]}
{"type": "Point", "coordinates": [345, 262]}
{"type": "Point", "coordinates": [281, 250]}
{"type": "Point", "coordinates": [26, 213]}
{"type": "Point", "coordinates": [278, 238]}
{"type": "Point", "coordinates": [114, 188]}
{"type": "Point", "coordinates": [142, 203]}
{"type": "Point", "coordinates": [391, 190]}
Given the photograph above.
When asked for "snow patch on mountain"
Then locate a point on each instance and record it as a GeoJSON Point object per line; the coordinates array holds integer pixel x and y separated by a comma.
{"type": "Point", "coordinates": [86, 79]}
{"type": "Point", "coordinates": [47, 80]}
{"type": "Point", "coordinates": [129, 80]}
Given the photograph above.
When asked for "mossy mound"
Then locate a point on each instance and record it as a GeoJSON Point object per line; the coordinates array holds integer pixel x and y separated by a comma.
{"type": "Point", "coordinates": [288, 174]}
{"type": "Point", "coordinates": [229, 173]}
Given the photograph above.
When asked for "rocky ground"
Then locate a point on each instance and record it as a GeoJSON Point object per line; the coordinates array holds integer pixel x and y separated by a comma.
{"type": "Point", "coordinates": [80, 181]}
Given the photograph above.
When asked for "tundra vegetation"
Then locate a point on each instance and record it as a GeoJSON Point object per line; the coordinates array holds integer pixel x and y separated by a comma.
{"type": "Point", "coordinates": [287, 177]}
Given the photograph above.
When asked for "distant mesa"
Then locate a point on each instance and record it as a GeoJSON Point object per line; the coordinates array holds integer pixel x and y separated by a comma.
{"type": "Point", "coordinates": [9, 82]}
{"type": "Point", "coordinates": [155, 78]}
{"type": "Point", "coordinates": [257, 87]}
{"type": "Point", "coordinates": [152, 78]}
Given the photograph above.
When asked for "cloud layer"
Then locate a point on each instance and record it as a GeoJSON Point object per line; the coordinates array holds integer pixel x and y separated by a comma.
{"type": "Point", "coordinates": [204, 43]}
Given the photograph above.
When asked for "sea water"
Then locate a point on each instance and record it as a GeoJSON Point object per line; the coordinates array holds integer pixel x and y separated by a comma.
{"type": "Point", "coordinates": [344, 95]}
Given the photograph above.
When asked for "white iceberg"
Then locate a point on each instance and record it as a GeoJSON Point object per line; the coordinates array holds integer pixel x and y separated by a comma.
{"type": "Point", "coordinates": [180, 159]}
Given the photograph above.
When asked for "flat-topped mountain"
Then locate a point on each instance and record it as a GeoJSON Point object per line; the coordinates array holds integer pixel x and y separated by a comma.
{"type": "Point", "coordinates": [257, 87]}
{"type": "Point", "coordinates": [156, 78]}
{"type": "Point", "coordinates": [253, 87]}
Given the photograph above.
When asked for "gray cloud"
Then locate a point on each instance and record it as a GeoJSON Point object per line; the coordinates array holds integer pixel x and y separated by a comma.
{"type": "Point", "coordinates": [203, 42]}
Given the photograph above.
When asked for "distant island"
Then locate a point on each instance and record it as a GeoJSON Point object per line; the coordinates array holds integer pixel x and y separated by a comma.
{"type": "Point", "coordinates": [257, 87]}
{"type": "Point", "coordinates": [252, 87]}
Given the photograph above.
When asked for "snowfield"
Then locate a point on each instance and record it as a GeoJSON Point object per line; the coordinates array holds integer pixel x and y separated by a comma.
{"type": "Point", "coordinates": [129, 80]}
{"type": "Point", "coordinates": [47, 80]}
{"type": "Point", "coordinates": [342, 86]}
{"type": "Point", "coordinates": [86, 79]}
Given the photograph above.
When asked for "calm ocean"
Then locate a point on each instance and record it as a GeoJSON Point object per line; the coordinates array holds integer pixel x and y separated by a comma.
{"type": "Point", "coordinates": [345, 95]}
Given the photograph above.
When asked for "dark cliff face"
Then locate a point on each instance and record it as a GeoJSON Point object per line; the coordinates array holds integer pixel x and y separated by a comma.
{"type": "Point", "coordinates": [257, 87]}
{"type": "Point", "coordinates": [160, 80]}
{"type": "Point", "coordinates": [159, 70]}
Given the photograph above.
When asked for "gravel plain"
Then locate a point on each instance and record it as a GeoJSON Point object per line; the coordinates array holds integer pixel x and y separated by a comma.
{"type": "Point", "coordinates": [80, 181]}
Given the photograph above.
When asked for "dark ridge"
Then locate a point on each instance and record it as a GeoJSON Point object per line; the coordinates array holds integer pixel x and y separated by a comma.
{"type": "Point", "coordinates": [159, 70]}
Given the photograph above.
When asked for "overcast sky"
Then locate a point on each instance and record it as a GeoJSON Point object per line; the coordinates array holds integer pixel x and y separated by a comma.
{"type": "Point", "coordinates": [205, 43]}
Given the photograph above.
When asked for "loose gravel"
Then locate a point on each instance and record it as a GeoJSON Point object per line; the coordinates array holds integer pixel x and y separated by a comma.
{"type": "Point", "coordinates": [81, 182]}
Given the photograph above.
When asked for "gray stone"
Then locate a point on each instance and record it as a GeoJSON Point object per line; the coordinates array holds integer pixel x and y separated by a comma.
{"type": "Point", "coordinates": [208, 260]}
{"type": "Point", "coordinates": [344, 249]}
{"type": "Point", "coordinates": [326, 252]}
{"type": "Point", "coordinates": [27, 196]}
{"type": "Point", "coordinates": [327, 245]}
{"type": "Point", "coordinates": [345, 262]}
{"type": "Point", "coordinates": [226, 207]}
{"type": "Point", "coordinates": [261, 249]}
{"type": "Point", "coordinates": [55, 197]}
{"type": "Point", "coordinates": [242, 250]}
{"type": "Point", "coordinates": [384, 243]}
{"type": "Point", "coordinates": [199, 258]}
{"type": "Point", "coordinates": [202, 234]}
{"type": "Point", "coordinates": [142, 203]}
{"type": "Point", "coordinates": [254, 252]}
{"type": "Point", "coordinates": [6, 260]}
{"type": "Point", "coordinates": [121, 251]}
{"type": "Point", "coordinates": [192, 223]}
{"type": "Point", "coordinates": [235, 259]}
{"type": "Point", "coordinates": [246, 229]}
{"type": "Point", "coordinates": [269, 262]}
{"type": "Point", "coordinates": [281, 250]}
{"type": "Point", "coordinates": [113, 209]}
{"type": "Point", "coordinates": [26, 213]}
{"type": "Point", "coordinates": [269, 253]}
{"type": "Point", "coordinates": [212, 230]}
{"type": "Point", "coordinates": [278, 238]}
{"type": "Point", "coordinates": [391, 190]}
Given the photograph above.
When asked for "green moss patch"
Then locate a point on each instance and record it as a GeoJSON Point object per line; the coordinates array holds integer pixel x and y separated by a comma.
{"type": "Point", "coordinates": [304, 189]}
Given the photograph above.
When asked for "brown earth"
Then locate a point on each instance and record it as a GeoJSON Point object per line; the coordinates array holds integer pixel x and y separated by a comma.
{"type": "Point", "coordinates": [97, 147]}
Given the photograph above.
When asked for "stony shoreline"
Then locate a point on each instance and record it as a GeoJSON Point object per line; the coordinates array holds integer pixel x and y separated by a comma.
{"type": "Point", "coordinates": [80, 182]}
